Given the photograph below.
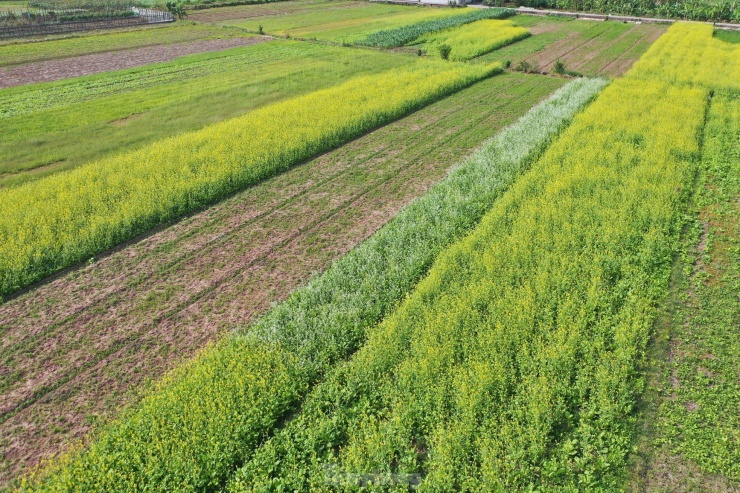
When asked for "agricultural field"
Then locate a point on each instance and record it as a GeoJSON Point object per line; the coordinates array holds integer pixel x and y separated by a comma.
{"type": "Point", "coordinates": [336, 245]}
{"type": "Point", "coordinates": [124, 110]}
{"type": "Point", "coordinates": [589, 48]}
{"type": "Point", "coordinates": [18, 52]}
{"type": "Point", "coordinates": [465, 42]}
{"type": "Point", "coordinates": [326, 20]}
{"type": "Point", "coordinates": [368, 181]}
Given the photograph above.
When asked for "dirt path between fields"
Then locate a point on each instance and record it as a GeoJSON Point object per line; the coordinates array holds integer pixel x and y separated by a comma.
{"type": "Point", "coordinates": [75, 349]}
{"type": "Point", "coordinates": [51, 70]}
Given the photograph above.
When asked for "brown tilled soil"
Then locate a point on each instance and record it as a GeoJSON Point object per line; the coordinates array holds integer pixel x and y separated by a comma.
{"type": "Point", "coordinates": [251, 11]}
{"type": "Point", "coordinates": [74, 350]}
{"type": "Point", "coordinates": [52, 70]}
{"type": "Point", "coordinates": [598, 55]}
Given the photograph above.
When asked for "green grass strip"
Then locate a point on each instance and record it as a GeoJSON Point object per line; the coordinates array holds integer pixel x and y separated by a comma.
{"type": "Point", "coordinates": [24, 100]}
{"type": "Point", "coordinates": [512, 365]}
{"type": "Point", "coordinates": [699, 414]}
{"type": "Point", "coordinates": [407, 34]}
{"type": "Point", "coordinates": [58, 221]}
{"type": "Point", "coordinates": [207, 417]}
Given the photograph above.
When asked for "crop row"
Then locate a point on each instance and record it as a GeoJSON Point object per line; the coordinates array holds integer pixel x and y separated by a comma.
{"type": "Point", "coordinates": [689, 54]}
{"type": "Point", "coordinates": [63, 219]}
{"type": "Point", "coordinates": [701, 419]}
{"type": "Point", "coordinates": [235, 392]}
{"type": "Point", "coordinates": [513, 364]}
{"type": "Point", "coordinates": [406, 34]}
{"type": "Point", "coordinates": [472, 40]}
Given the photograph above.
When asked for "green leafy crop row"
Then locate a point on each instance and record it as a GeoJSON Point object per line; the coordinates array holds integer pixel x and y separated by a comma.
{"type": "Point", "coordinates": [699, 416]}
{"type": "Point", "coordinates": [404, 35]}
{"type": "Point", "coordinates": [208, 416]}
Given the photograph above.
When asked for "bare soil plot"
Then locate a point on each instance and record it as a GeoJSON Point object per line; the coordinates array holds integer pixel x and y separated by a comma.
{"type": "Point", "coordinates": [599, 53]}
{"type": "Point", "coordinates": [74, 350]}
{"type": "Point", "coordinates": [51, 70]}
{"type": "Point", "coordinates": [591, 48]}
{"type": "Point", "coordinates": [270, 9]}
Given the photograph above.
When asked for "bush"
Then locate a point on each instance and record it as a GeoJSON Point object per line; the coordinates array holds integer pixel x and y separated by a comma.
{"type": "Point", "coordinates": [559, 68]}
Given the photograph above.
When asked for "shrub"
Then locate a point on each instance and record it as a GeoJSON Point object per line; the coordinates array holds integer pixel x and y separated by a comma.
{"type": "Point", "coordinates": [559, 68]}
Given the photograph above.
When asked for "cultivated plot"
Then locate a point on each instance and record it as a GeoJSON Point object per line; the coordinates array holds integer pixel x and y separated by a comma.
{"type": "Point", "coordinates": [340, 21]}
{"type": "Point", "coordinates": [590, 48]}
{"type": "Point", "coordinates": [264, 241]}
{"type": "Point", "coordinates": [43, 132]}
{"type": "Point", "coordinates": [32, 50]}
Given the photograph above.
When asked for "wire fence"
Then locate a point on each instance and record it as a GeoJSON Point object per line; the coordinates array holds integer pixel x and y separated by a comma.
{"type": "Point", "coordinates": [40, 23]}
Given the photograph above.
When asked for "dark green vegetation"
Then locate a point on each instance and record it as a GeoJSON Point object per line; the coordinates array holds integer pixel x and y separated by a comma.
{"type": "Point", "coordinates": [691, 420]}
{"type": "Point", "coordinates": [727, 36]}
{"type": "Point", "coordinates": [43, 132]}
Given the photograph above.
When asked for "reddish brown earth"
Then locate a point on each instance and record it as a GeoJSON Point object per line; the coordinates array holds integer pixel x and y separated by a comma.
{"type": "Point", "coordinates": [75, 349]}
{"type": "Point", "coordinates": [52, 70]}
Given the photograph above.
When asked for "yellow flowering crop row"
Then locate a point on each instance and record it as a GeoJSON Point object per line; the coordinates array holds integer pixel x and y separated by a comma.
{"type": "Point", "coordinates": [55, 222]}
{"type": "Point", "coordinates": [475, 39]}
{"type": "Point", "coordinates": [513, 364]}
{"type": "Point", "coordinates": [688, 54]}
